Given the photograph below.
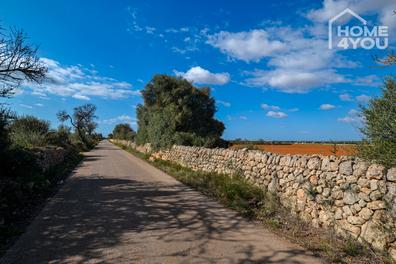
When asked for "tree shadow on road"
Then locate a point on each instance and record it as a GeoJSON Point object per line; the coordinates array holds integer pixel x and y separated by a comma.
{"type": "Point", "coordinates": [118, 220]}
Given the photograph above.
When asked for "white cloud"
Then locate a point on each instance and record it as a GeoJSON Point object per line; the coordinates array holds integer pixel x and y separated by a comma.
{"type": "Point", "coordinates": [370, 80]}
{"type": "Point", "coordinates": [327, 107]}
{"type": "Point", "coordinates": [345, 97]}
{"type": "Point", "coordinates": [298, 58]}
{"type": "Point", "coordinates": [39, 105]}
{"type": "Point", "coordinates": [133, 24]}
{"type": "Point", "coordinates": [80, 83]}
{"type": "Point", "coordinates": [81, 97]}
{"type": "Point", "coordinates": [119, 119]}
{"type": "Point", "coordinates": [353, 116]}
{"type": "Point", "coordinates": [382, 8]}
{"type": "Point", "coordinates": [243, 117]}
{"type": "Point", "coordinates": [293, 81]}
{"type": "Point", "coordinates": [171, 30]}
{"type": "Point", "coordinates": [248, 46]}
{"type": "Point", "coordinates": [202, 76]}
{"type": "Point", "coordinates": [224, 103]}
{"type": "Point", "coordinates": [267, 106]}
{"type": "Point", "coordinates": [26, 106]}
{"type": "Point", "coordinates": [363, 98]}
{"type": "Point", "coordinates": [297, 62]}
{"type": "Point", "coordinates": [150, 30]}
{"type": "Point", "coordinates": [274, 114]}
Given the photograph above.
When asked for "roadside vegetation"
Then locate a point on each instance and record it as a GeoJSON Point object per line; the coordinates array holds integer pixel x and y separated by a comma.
{"type": "Point", "coordinates": [24, 184]}
{"type": "Point", "coordinates": [256, 204]}
{"type": "Point", "coordinates": [379, 144]}
{"type": "Point", "coordinates": [123, 132]}
{"type": "Point", "coordinates": [176, 112]}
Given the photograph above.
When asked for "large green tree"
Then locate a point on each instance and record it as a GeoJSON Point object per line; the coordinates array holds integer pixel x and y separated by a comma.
{"type": "Point", "coordinates": [123, 131]}
{"type": "Point", "coordinates": [176, 112]}
{"type": "Point", "coordinates": [380, 127]}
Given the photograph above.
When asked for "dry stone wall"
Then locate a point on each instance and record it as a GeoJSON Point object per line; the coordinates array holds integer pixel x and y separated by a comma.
{"type": "Point", "coordinates": [351, 196]}
{"type": "Point", "coordinates": [47, 157]}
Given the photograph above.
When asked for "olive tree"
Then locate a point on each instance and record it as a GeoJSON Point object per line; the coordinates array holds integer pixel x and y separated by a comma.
{"type": "Point", "coordinates": [379, 127]}
{"type": "Point", "coordinates": [176, 112]}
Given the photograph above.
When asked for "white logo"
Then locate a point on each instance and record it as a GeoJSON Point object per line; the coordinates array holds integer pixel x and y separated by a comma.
{"type": "Point", "coordinates": [359, 36]}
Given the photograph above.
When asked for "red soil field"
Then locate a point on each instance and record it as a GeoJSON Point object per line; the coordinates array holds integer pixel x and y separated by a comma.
{"type": "Point", "coordinates": [321, 149]}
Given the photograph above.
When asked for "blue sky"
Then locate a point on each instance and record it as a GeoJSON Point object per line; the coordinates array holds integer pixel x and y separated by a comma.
{"type": "Point", "coordinates": [268, 63]}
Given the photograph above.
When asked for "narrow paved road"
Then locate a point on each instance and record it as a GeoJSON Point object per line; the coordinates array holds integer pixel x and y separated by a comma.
{"type": "Point", "coordinates": [116, 208]}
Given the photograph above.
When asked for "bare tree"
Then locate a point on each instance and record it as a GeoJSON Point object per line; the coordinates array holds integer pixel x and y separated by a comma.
{"type": "Point", "coordinates": [82, 121]}
{"type": "Point", "coordinates": [18, 62]}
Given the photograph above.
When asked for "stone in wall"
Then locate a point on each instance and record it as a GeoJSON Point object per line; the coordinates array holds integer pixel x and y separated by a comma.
{"type": "Point", "coordinates": [48, 157]}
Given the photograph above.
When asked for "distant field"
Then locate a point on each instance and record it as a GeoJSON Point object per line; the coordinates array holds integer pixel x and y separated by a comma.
{"type": "Point", "coordinates": [322, 149]}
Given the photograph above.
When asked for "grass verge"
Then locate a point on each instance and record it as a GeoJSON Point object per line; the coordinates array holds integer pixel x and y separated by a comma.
{"type": "Point", "coordinates": [253, 202]}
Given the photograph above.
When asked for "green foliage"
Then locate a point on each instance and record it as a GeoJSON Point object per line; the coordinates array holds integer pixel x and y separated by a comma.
{"type": "Point", "coordinates": [176, 112]}
{"type": "Point", "coordinates": [124, 131]}
{"type": "Point", "coordinates": [29, 131]}
{"type": "Point", "coordinates": [60, 137]}
{"type": "Point", "coordinates": [379, 128]}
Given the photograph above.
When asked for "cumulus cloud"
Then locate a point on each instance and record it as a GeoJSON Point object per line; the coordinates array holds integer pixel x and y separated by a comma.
{"type": "Point", "coordinates": [275, 114]}
{"type": "Point", "coordinates": [293, 81]}
{"type": "Point", "coordinates": [370, 80]}
{"type": "Point", "coordinates": [80, 83]}
{"type": "Point", "coordinates": [298, 59]}
{"type": "Point", "coordinates": [267, 106]}
{"type": "Point", "coordinates": [327, 107]}
{"type": "Point", "coordinates": [297, 63]}
{"type": "Point", "coordinates": [119, 119]}
{"type": "Point", "coordinates": [248, 46]}
{"type": "Point", "coordinates": [345, 97]}
{"type": "Point", "coordinates": [363, 98]}
{"type": "Point", "coordinates": [353, 116]}
{"type": "Point", "coordinates": [330, 8]}
{"type": "Point", "coordinates": [202, 76]}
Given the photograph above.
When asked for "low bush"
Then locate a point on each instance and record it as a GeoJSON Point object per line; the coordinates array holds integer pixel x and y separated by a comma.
{"type": "Point", "coordinates": [29, 132]}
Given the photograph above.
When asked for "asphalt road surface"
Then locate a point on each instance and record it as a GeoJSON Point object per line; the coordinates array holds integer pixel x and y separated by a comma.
{"type": "Point", "coordinates": [116, 208]}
